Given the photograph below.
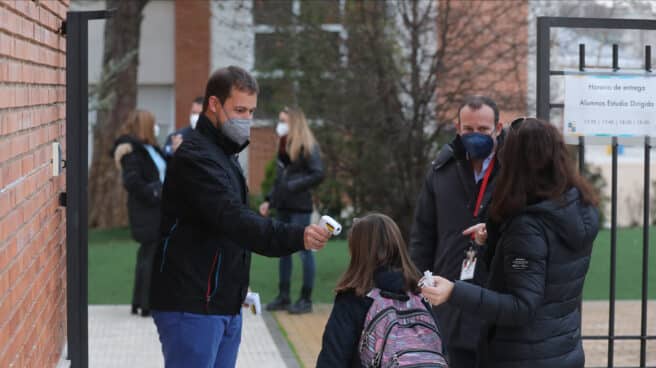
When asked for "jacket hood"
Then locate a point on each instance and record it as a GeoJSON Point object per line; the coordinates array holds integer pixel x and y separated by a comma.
{"type": "Point", "coordinates": [124, 145]}
{"type": "Point", "coordinates": [389, 280]}
{"type": "Point", "coordinates": [577, 224]}
{"type": "Point", "coordinates": [125, 139]}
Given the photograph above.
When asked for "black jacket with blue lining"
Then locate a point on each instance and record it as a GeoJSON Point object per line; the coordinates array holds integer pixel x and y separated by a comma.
{"type": "Point", "coordinates": [203, 262]}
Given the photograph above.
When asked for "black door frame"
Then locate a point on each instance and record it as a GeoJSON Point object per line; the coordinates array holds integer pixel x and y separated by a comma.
{"type": "Point", "coordinates": [76, 201]}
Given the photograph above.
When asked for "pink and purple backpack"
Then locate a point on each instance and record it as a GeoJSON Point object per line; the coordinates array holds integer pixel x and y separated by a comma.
{"type": "Point", "coordinates": [400, 333]}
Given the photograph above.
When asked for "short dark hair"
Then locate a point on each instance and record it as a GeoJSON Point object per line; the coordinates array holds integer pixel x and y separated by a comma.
{"type": "Point", "coordinates": [536, 166]}
{"type": "Point", "coordinates": [223, 80]}
{"type": "Point", "coordinates": [475, 102]}
{"type": "Point", "coordinates": [198, 100]}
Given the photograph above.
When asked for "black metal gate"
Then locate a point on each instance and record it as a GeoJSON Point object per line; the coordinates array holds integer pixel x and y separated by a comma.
{"type": "Point", "coordinates": [77, 121]}
{"type": "Point", "coordinates": [544, 106]}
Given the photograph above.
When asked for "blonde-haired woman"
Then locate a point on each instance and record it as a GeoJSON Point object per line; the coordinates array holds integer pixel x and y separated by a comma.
{"type": "Point", "coordinates": [142, 166]}
{"type": "Point", "coordinates": [299, 170]}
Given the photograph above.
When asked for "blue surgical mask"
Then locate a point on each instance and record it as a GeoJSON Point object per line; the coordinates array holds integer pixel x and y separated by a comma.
{"type": "Point", "coordinates": [477, 145]}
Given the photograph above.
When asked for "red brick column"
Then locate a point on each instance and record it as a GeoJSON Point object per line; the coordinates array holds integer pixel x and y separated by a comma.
{"type": "Point", "coordinates": [32, 226]}
{"type": "Point", "coordinates": [261, 150]}
{"type": "Point", "coordinates": [192, 55]}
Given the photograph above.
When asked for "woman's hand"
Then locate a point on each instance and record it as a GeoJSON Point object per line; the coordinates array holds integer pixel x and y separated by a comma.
{"type": "Point", "coordinates": [479, 231]}
{"type": "Point", "coordinates": [264, 208]}
{"type": "Point", "coordinates": [440, 293]}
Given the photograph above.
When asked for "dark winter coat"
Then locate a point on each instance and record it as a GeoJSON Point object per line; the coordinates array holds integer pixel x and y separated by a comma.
{"type": "Point", "coordinates": [168, 144]}
{"type": "Point", "coordinates": [208, 231]}
{"type": "Point", "coordinates": [141, 180]}
{"type": "Point", "coordinates": [294, 180]}
{"type": "Point", "coordinates": [535, 286]}
{"type": "Point", "coordinates": [445, 208]}
{"type": "Point", "coordinates": [339, 347]}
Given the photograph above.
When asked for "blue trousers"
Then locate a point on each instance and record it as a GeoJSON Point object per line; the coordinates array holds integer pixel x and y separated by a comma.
{"type": "Point", "coordinates": [198, 340]}
{"type": "Point", "coordinates": [307, 256]}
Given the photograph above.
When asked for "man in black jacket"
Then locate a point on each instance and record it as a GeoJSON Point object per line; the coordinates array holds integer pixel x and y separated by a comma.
{"type": "Point", "coordinates": [202, 265]}
{"type": "Point", "coordinates": [455, 196]}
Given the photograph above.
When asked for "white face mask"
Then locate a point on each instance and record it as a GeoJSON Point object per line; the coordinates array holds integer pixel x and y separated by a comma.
{"type": "Point", "coordinates": [193, 119]}
{"type": "Point", "coordinates": [156, 130]}
{"type": "Point", "coordinates": [282, 129]}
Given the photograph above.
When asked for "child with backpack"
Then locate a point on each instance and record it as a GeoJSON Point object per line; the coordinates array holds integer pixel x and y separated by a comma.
{"type": "Point", "coordinates": [378, 318]}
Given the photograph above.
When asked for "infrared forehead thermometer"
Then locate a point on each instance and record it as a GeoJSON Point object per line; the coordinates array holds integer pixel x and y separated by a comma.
{"type": "Point", "coordinates": [330, 224]}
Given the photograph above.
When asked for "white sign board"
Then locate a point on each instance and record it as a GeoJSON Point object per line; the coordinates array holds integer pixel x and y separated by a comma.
{"type": "Point", "coordinates": [610, 105]}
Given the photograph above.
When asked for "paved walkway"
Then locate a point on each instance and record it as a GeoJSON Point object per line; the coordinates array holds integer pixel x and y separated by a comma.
{"type": "Point", "coordinates": [305, 333]}
{"type": "Point", "coordinates": [119, 339]}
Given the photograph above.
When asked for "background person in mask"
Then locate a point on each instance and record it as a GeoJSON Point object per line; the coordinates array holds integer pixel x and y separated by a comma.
{"type": "Point", "coordinates": [299, 170]}
{"type": "Point", "coordinates": [174, 139]}
{"type": "Point", "coordinates": [208, 231]}
{"type": "Point", "coordinates": [142, 167]}
{"type": "Point", "coordinates": [455, 196]}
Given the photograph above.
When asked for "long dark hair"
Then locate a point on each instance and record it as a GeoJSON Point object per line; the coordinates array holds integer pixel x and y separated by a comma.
{"type": "Point", "coordinates": [375, 241]}
{"type": "Point", "coordinates": [535, 166]}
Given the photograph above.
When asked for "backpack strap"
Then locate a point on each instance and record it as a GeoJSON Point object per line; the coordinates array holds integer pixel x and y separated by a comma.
{"type": "Point", "coordinates": [374, 293]}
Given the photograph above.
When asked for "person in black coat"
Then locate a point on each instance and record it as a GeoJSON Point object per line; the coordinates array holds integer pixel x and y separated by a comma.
{"type": "Point", "coordinates": [379, 259]}
{"type": "Point", "coordinates": [299, 170]}
{"type": "Point", "coordinates": [142, 167]}
{"type": "Point", "coordinates": [208, 232]}
{"type": "Point", "coordinates": [455, 195]}
{"type": "Point", "coordinates": [547, 222]}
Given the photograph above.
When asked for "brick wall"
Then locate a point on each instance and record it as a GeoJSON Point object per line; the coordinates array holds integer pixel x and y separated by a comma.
{"type": "Point", "coordinates": [485, 56]}
{"type": "Point", "coordinates": [260, 151]}
{"type": "Point", "coordinates": [192, 55]}
{"type": "Point", "coordinates": [32, 226]}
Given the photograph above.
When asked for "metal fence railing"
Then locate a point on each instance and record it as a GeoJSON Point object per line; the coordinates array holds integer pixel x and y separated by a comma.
{"type": "Point", "coordinates": [544, 106]}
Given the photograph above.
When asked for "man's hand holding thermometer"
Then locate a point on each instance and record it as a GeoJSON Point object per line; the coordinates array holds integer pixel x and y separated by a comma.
{"type": "Point", "coordinates": [330, 224]}
{"type": "Point", "coordinates": [316, 236]}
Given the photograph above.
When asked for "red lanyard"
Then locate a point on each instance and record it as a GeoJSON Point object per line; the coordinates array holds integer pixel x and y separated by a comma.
{"type": "Point", "coordinates": [481, 192]}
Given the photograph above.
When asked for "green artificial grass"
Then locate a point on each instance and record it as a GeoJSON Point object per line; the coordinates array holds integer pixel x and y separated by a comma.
{"type": "Point", "coordinates": [331, 262]}
{"type": "Point", "coordinates": [629, 266]}
{"type": "Point", "coordinates": [112, 255]}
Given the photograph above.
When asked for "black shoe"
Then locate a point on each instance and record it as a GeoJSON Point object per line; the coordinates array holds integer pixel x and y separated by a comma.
{"type": "Point", "coordinates": [281, 302]}
{"type": "Point", "coordinates": [303, 305]}
{"type": "Point", "coordinates": [145, 312]}
{"type": "Point", "coordinates": [135, 309]}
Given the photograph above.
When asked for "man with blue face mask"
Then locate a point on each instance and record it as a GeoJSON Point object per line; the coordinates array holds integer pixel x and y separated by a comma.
{"type": "Point", "coordinates": [208, 232]}
{"type": "Point", "coordinates": [455, 196]}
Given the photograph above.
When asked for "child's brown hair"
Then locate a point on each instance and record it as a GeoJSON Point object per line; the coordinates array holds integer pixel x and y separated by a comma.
{"type": "Point", "coordinates": [375, 241]}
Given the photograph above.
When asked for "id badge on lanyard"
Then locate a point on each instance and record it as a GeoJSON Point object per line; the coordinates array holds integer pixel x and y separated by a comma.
{"type": "Point", "coordinates": [468, 267]}
{"type": "Point", "coordinates": [468, 264]}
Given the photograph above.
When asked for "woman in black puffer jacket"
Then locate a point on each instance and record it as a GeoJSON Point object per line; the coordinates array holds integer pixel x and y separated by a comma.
{"type": "Point", "coordinates": [299, 170]}
{"type": "Point", "coordinates": [541, 253]}
{"type": "Point", "coordinates": [142, 168]}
